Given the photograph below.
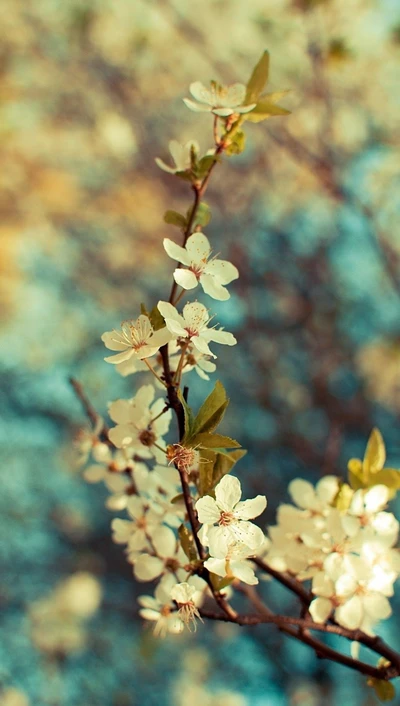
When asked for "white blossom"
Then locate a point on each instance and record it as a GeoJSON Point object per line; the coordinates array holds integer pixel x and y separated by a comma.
{"type": "Point", "coordinates": [184, 595]}
{"type": "Point", "coordinates": [160, 610]}
{"type": "Point", "coordinates": [139, 425]}
{"type": "Point", "coordinates": [137, 339]}
{"type": "Point", "coordinates": [181, 155]}
{"type": "Point", "coordinates": [212, 273]}
{"type": "Point", "coordinates": [225, 519]}
{"type": "Point", "coordinates": [192, 326]}
{"type": "Point", "coordinates": [167, 556]}
{"type": "Point", "coordinates": [220, 100]}
{"type": "Point", "coordinates": [231, 562]}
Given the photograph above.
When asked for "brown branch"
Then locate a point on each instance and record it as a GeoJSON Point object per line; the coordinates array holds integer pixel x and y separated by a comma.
{"type": "Point", "coordinates": [291, 583]}
{"type": "Point", "coordinates": [88, 408]}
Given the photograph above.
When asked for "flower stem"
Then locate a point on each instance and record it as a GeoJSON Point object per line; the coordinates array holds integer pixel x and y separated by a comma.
{"type": "Point", "coordinates": [145, 360]}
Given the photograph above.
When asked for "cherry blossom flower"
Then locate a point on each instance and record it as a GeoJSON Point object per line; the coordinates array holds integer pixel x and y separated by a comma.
{"type": "Point", "coordinates": [137, 532]}
{"type": "Point", "coordinates": [161, 611]}
{"type": "Point", "coordinates": [231, 517]}
{"type": "Point", "coordinates": [211, 274]}
{"type": "Point", "coordinates": [344, 587]}
{"type": "Point", "coordinates": [168, 556]}
{"type": "Point", "coordinates": [192, 326]}
{"type": "Point", "coordinates": [140, 424]}
{"type": "Point", "coordinates": [184, 595]}
{"type": "Point", "coordinates": [137, 339]}
{"type": "Point", "coordinates": [220, 100]}
{"type": "Point", "coordinates": [181, 154]}
{"type": "Point", "coordinates": [232, 563]}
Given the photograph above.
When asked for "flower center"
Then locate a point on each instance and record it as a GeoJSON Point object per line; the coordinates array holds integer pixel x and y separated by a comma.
{"type": "Point", "coordinates": [226, 518]}
{"type": "Point", "coordinates": [147, 437]}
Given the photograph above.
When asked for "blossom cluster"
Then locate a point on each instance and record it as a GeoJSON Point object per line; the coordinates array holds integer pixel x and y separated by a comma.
{"type": "Point", "coordinates": [347, 552]}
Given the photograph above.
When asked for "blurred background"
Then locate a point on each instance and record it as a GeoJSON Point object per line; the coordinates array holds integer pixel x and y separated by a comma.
{"type": "Point", "coordinates": [91, 92]}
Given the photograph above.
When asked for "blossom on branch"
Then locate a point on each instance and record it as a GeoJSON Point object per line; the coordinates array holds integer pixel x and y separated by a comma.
{"type": "Point", "coordinates": [231, 563]}
{"type": "Point", "coordinates": [181, 154]}
{"type": "Point", "coordinates": [211, 274]}
{"type": "Point", "coordinates": [191, 326]}
{"type": "Point", "coordinates": [225, 519]}
{"type": "Point", "coordinates": [220, 100]}
{"type": "Point", "coordinates": [137, 339]}
{"type": "Point", "coordinates": [140, 424]}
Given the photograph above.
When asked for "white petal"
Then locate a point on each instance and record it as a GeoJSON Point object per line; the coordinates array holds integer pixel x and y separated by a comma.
{"type": "Point", "coordinates": [176, 252]}
{"type": "Point", "coordinates": [120, 411]}
{"type": "Point", "coordinates": [185, 278]}
{"type": "Point", "coordinates": [120, 357]}
{"type": "Point", "coordinates": [198, 248]}
{"type": "Point", "coordinates": [94, 474]}
{"type": "Point", "coordinates": [216, 566]}
{"type": "Point", "coordinates": [228, 493]}
{"type": "Point", "coordinates": [248, 533]}
{"type": "Point", "coordinates": [164, 542]}
{"type": "Point", "coordinates": [322, 585]}
{"type": "Point", "coordinates": [222, 270]}
{"type": "Point", "coordinates": [169, 312]}
{"type": "Point", "coordinates": [248, 509]}
{"type": "Point", "coordinates": [148, 567]}
{"type": "Point", "coordinates": [123, 435]}
{"type": "Point", "coordinates": [219, 336]}
{"type": "Point", "coordinates": [201, 346]}
{"type": "Point", "coordinates": [327, 489]}
{"type": "Point", "coordinates": [195, 315]}
{"type": "Point", "coordinates": [196, 107]}
{"type": "Point", "coordinates": [114, 341]}
{"type": "Point", "coordinates": [213, 288]}
{"type": "Point", "coordinates": [235, 94]}
{"type": "Point", "coordinates": [320, 609]}
{"type": "Point", "coordinates": [207, 510]}
{"type": "Point", "coordinates": [377, 606]}
{"type": "Point", "coordinates": [200, 92]}
{"type": "Point", "coordinates": [350, 614]}
{"type": "Point", "coordinates": [243, 571]}
{"type": "Point", "coordinates": [165, 167]}
{"type": "Point", "coordinates": [302, 493]}
{"type": "Point", "coordinates": [376, 498]}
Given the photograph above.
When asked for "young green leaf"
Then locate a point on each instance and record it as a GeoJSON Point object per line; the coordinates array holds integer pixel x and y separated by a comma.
{"type": "Point", "coordinates": [174, 218]}
{"type": "Point", "coordinates": [238, 144]}
{"type": "Point", "coordinates": [206, 468]}
{"type": "Point", "coordinates": [202, 217]}
{"type": "Point", "coordinates": [263, 110]}
{"type": "Point", "coordinates": [258, 79]}
{"type": "Point", "coordinates": [375, 453]}
{"type": "Point", "coordinates": [211, 411]}
{"type": "Point", "coordinates": [188, 414]}
{"type": "Point", "coordinates": [187, 543]}
{"type": "Point", "coordinates": [224, 463]}
{"type": "Point", "coordinates": [156, 320]}
{"type": "Point", "coordinates": [384, 690]}
{"type": "Point", "coordinates": [205, 440]}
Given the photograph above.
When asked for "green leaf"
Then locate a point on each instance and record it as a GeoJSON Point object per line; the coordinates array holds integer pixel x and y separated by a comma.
{"type": "Point", "coordinates": [220, 582]}
{"type": "Point", "coordinates": [258, 79]}
{"type": "Point", "coordinates": [356, 473]}
{"type": "Point", "coordinates": [211, 411]}
{"type": "Point", "coordinates": [174, 218]}
{"type": "Point", "coordinates": [187, 543]}
{"type": "Point", "coordinates": [143, 310]}
{"type": "Point", "coordinates": [224, 463]}
{"type": "Point", "coordinates": [188, 414]}
{"type": "Point", "coordinates": [205, 440]}
{"type": "Point", "coordinates": [375, 453]}
{"type": "Point", "coordinates": [156, 319]}
{"type": "Point", "coordinates": [389, 477]}
{"type": "Point", "coordinates": [263, 110]}
{"type": "Point", "coordinates": [384, 690]}
{"type": "Point", "coordinates": [343, 498]}
{"type": "Point", "coordinates": [237, 145]}
{"type": "Point", "coordinates": [205, 165]}
{"type": "Point", "coordinates": [202, 217]}
{"type": "Point", "coordinates": [177, 499]}
{"type": "Point", "coordinates": [206, 471]}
